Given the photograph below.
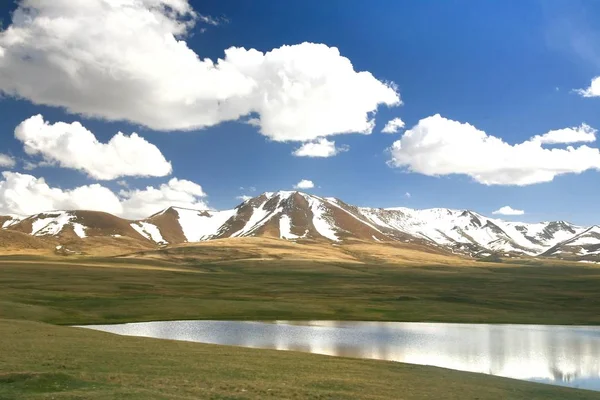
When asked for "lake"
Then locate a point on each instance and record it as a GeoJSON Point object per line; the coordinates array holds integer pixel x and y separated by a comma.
{"type": "Point", "coordinates": [559, 355]}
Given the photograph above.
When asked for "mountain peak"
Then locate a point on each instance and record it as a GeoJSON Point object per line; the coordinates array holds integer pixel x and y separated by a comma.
{"type": "Point", "coordinates": [296, 215]}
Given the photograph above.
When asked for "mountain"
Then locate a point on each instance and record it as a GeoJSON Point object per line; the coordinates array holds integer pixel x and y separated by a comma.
{"type": "Point", "coordinates": [77, 232]}
{"type": "Point", "coordinates": [584, 246]}
{"type": "Point", "coordinates": [302, 217]}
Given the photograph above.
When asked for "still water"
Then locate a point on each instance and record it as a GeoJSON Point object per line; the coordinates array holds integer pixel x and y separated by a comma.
{"type": "Point", "coordinates": [559, 355]}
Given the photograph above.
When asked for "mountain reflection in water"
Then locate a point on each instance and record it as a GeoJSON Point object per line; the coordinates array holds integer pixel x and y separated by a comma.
{"type": "Point", "coordinates": [560, 355]}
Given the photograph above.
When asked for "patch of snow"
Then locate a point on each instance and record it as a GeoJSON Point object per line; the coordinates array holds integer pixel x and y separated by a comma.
{"type": "Point", "coordinates": [14, 219]}
{"type": "Point", "coordinates": [79, 230]}
{"type": "Point", "coordinates": [202, 225]}
{"type": "Point", "coordinates": [58, 247]}
{"type": "Point", "coordinates": [149, 231]}
{"type": "Point", "coordinates": [285, 228]}
{"type": "Point", "coordinates": [116, 235]}
{"type": "Point", "coordinates": [377, 240]}
{"type": "Point", "coordinates": [322, 225]}
{"type": "Point", "coordinates": [584, 241]}
{"type": "Point", "coordinates": [51, 225]}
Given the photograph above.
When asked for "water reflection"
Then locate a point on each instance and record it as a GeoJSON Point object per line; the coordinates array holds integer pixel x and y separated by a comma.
{"type": "Point", "coordinates": [560, 355]}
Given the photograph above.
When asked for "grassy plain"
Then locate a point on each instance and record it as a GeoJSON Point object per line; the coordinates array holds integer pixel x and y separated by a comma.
{"type": "Point", "coordinates": [40, 360]}
{"type": "Point", "coordinates": [99, 291]}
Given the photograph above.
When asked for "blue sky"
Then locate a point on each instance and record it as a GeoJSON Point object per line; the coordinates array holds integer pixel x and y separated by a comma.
{"type": "Point", "coordinates": [507, 68]}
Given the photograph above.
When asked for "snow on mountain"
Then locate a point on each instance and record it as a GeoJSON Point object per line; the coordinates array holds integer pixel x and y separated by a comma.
{"type": "Point", "coordinates": [9, 220]}
{"type": "Point", "coordinates": [51, 224]}
{"type": "Point", "coordinates": [585, 245]}
{"type": "Point", "coordinates": [149, 231]}
{"type": "Point", "coordinates": [295, 216]}
{"type": "Point", "coordinates": [67, 225]}
{"type": "Point", "coordinates": [201, 225]}
{"type": "Point", "coordinates": [459, 228]}
{"type": "Point", "coordinates": [325, 226]}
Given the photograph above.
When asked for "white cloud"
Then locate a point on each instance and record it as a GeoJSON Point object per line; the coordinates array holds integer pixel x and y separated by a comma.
{"type": "Point", "coordinates": [407, 195]}
{"type": "Point", "coordinates": [207, 19]}
{"type": "Point", "coordinates": [304, 184]}
{"type": "Point", "coordinates": [579, 134]}
{"type": "Point", "coordinates": [6, 161]}
{"type": "Point", "coordinates": [319, 148]}
{"type": "Point", "coordinates": [593, 90]}
{"type": "Point", "coordinates": [393, 126]}
{"type": "Point", "coordinates": [123, 183]}
{"type": "Point", "coordinates": [25, 194]}
{"type": "Point", "coordinates": [78, 56]}
{"type": "Point", "coordinates": [244, 197]}
{"type": "Point", "coordinates": [438, 146]}
{"type": "Point", "coordinates": [177, 192]}
{"type": "Point", "coordinates": [73, 146]}
{"type": "Point", "coordinates": [508, 210]}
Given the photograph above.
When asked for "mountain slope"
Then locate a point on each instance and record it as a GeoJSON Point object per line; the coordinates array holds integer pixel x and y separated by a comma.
{"type": "Point", "coordinates": [76, 232]}
{"type": "Point", "coordinates": [303, 217]}
{"type": "Point", "coordinates": [584, 246]}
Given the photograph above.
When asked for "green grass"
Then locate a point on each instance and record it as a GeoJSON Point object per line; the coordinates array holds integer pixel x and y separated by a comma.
{"type": "Point", "coordinates": [43, 361]}
{"type": "Point", "coordinates": [71, 294]}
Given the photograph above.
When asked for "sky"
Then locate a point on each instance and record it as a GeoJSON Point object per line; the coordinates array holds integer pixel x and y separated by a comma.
{"type": "Point", "coordinates": [130, 106]}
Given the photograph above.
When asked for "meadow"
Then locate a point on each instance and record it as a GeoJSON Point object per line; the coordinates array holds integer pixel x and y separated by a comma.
{"type": "Point", "coordinates": [43, 360]}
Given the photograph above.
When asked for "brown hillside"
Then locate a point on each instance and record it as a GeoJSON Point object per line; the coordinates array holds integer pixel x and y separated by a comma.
{"type": "Point", "coordinates": [103, 224]}
{"type": "Point", "coordinates": [3, 219]}
{"type": "Point", "coordinates": [168, 224]}
{"type": "Point", "coordinates": [20, 243]}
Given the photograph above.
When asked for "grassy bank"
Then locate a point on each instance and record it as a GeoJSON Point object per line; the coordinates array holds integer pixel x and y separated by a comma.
{"type": "Point", "coordinates": [42, 361]}
{"type": "Point", "coordinates": [97, 292]}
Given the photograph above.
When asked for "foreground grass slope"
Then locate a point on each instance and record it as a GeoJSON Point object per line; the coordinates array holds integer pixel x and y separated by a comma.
{"type": "Point", "coordinates": [42, 361]}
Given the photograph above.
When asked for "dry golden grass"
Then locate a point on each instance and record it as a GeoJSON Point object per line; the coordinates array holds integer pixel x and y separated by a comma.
{"type": "Point", "coordinates": [255, 248]}
{"type": "Point", "coordinates": [12, 242]}
{"type": "Point", "coordinates": [77, 263]}
{"type": "Point", "coordinates": [269, 249]}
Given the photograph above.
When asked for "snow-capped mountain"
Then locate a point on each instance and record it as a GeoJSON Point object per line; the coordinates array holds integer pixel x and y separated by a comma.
{"type": "Point", "coordinates": [299, 216]}
{"type": "Point", "coordinates": [584, 246]}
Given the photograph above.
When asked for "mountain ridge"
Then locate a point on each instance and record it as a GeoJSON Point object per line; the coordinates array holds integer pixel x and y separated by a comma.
{"type": "Point", "coordinates": [299, 216]}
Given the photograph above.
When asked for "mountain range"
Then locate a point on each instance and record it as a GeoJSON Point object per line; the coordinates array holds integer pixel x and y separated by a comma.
{"type": "Point", "coordinates": [302, 217]}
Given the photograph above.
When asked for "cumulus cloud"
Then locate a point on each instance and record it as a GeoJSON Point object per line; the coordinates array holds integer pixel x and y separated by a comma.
{"type": "Point", "coordinates": [6, 161]}
{"type": "Point", "coordinates": [393, 126]}
{"type": "Point", "coordinates": [579, 134]}
{"type": "Point", "coordinates": [177, 193]}
{"type": "Point", "coordinates": [407, 195]}
{"type": "Point", "coordinates": [593, 90]}
{"type": "Point", "coordinates": [73, 146]}
{"type": "Point", "coordinates": [304, 184]}
{"type": "Point", "coordinates": [243, 197]}
{"type": "Point", "coordinates": [508, 210]}
{"type": "Point", "coordinates": [319, 148]}
{"type": "Point", "coordinates": [78, 56]}
{"type": "Point", "coordinates": [25, 194]}
{"type": "Point", "coordinates": [437, 146]}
